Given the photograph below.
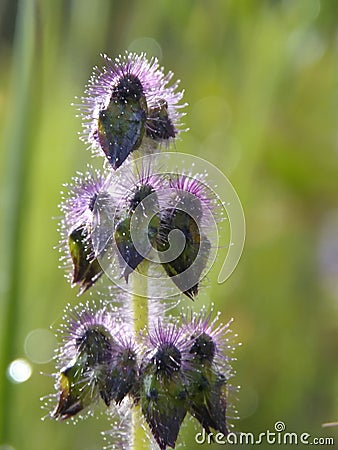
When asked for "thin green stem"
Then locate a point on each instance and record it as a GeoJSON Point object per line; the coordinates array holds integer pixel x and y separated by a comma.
{"type": "Point", "coordinates": [140, 297]}
{"type": "Point", "coordinates": [140, 440]}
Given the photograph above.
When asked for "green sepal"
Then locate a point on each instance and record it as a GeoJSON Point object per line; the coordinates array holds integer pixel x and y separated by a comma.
{"type": "Point", "coordinates": [164, 403]}
{"type": "Point", "coordinates": [86, 267]}
{"type": "Point", "coordinates": [143, 210]}
{"type": "Point", "coordinates": [159, 125]}
{"type": "Point", "coordinates": [207, 392]}
{"type": "Point", "coordinates": [195, 245]}
{"type": "Point", "coordinates": [121, 377]}
{"type": "Point", "coordinates": [121, 126]}
{"type": "Point", "coordinates": [76, 391]}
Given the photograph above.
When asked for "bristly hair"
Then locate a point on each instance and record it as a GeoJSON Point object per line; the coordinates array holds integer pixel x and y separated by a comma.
{"type": "Point", "coordinates": [208, 370]}
{"type": "Point", "coordinates": [78, 320]}
{"type": "Point", "coordinates": [162, 98]}
{"type": "Point", "coordinates": [78, 202]}
{"type": "Point", "coordinates": [196, 184]}
{"type": "Point", "coordinates": [167, 334]}
{"type": "Point", "coordinates": [132, 177]}
{"type": "Point", "coordinates": [163, 396]}
{"type": "Point", "coordinates": [86, 198]}
{"type": "Point", "coordinates": [200, 323]}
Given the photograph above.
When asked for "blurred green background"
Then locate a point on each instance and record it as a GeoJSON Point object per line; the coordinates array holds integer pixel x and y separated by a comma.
{"type": "Point", "coordinates": [261, 83]}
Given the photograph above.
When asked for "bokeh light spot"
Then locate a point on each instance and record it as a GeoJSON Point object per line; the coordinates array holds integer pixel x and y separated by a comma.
{"type": "Point", "coordinates": [19, 371]}
{"type": "Point", "coordinates": [39, 345]}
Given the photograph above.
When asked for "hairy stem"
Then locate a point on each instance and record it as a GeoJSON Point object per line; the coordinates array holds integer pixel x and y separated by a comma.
{"type": "Point", "coordinates": [139, 439]}
{"type": "Point", "coordinates": [140, 297]}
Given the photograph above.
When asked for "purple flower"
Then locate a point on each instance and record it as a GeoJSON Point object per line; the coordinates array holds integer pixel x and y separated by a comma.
{"type": "Point", "coordinates": [80, 324]}
{"type": "Point", "coordinates": [78, 205]}
{"type": "Point", "coordinates": [98, 358]}
{"type": "Point", "coordinates": [122, 377]}
{"type": "Point", "coordinates": [163, 394]}
{"type": "Point", "coordinates": [167, 337]}
{"type": "Point", "coordinates": [184, 368]}
{"type": "Point", "coordinates": [208, 370]}
{"type": "Point", "coordinates": [86, 206]}
{"type": "Point", "coordinates": [129, 101]}
{"type": "Point", "coordinates": [112, 221]}
{"type": "Point", "coordinates": [136, 179]}
{"type": "Point", "coordinates": [84, 359]}
{"type": "Point", "coordinates": [192, 193]}
{"type": "Point", "coordinates": [188, 211]}
{"type": "Point", "coordinates": [219, 336]}
{"type": "Point", "coordinates": [138, 194]}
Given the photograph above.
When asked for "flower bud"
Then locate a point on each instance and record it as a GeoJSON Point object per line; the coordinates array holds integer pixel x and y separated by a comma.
{"type": "Point", "coordinates": [207, 396]}
{"type": "Point", "coordinates": [188, 205]}
{"type": "Point", "coordinates": [135, 233]}
{"type": "Point", "coordinates": [86, 268]}
{"type": "Point", "coordinates": [163, 394]}
{"type": "Point", "coordinates": [122, 375]}
{"type": "Point", "coordinates": [159, 124]}
{"type": "Point", "coordinates": [186, 269]}
{"type": "Point", "coordinates": [76, 391]}
{"type": "Point", "coordinates": [85, 358]}
{"type": "Point", "coordinates": [128, 100]}
{"type": "Point", "coordinates": [121, 125]}
{"type": "Point", "coordinates": [86, 205]}
{"type": "Point", "coordinates": [207, 372]}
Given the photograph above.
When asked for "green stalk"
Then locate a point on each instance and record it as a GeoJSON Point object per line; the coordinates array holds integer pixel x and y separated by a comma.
{"type": "Point", "coordinates": [139, 440]}
{"type": "Point", "coordinates": [140, 300]}
{"type": "Point", "coordinates": [15, 186]}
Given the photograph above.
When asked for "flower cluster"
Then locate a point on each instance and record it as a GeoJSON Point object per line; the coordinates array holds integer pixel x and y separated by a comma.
{"type": "Point", "coordinates": [131, 215]}
{"type": "Point", "coordinates": [135, 210]}
{"type": "Point", "coordinates": [172, 371]}
{"type": "Point", "coordinates": [96, 359]}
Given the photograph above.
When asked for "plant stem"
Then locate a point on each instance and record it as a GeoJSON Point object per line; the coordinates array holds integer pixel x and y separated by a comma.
{"type": "Point", "coordinates": [139, 439]}
{"type": "Point", "coordinates": [140, 297]}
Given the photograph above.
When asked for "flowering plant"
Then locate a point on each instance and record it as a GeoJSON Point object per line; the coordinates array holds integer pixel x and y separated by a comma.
{"type": "Point", "coordinates": [154, 232]}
